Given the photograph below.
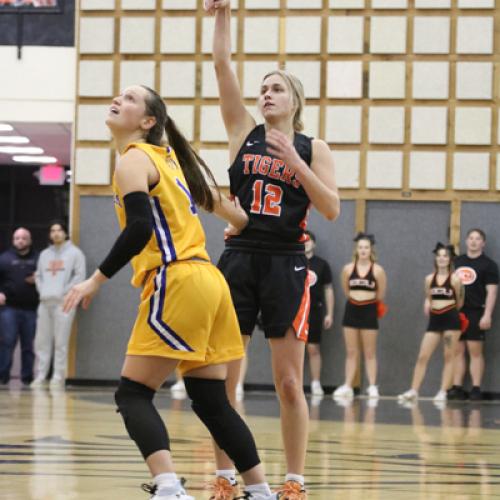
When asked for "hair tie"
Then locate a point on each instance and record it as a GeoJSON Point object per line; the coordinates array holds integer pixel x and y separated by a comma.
{"type": "Point", "coordinates": [365, 236]}
{"type": "Point", "coordinates": [449, 248]}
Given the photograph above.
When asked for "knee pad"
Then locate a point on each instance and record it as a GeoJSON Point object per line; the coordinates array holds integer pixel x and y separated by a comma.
{"type": "Point", "coordinates": [142, 421]}
{"type": "Point", "coordinates": [230, 432]}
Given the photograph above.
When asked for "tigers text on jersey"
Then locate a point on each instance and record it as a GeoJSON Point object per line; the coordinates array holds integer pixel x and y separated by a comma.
{"type": "Point", "coordinates": [178, 234]}
{"type": "Point", "coordinates": [275, 201]}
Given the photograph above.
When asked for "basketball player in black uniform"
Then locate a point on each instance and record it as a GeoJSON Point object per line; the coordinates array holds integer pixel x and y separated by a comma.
{"type": "Point", "coordinates": [277, 173]}
{"type": "Point", "coordinates": [321, 312]}
{"type": "Point", "coordinates": [443, 299]}
{"type": "Point", "coordinates": [364, 284]}
{"type": "Point", "coordinates": [479, 274]}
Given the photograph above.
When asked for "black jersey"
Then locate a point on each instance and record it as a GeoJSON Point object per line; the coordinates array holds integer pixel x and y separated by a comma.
{"type": "Point", "coordinates": [320, 275]}
{"type": "Point", "coordinates": [367, 283]}
{"type": "Point", "coordinates": [475, 274]}
{"type": "Point", "coordinates": [443, 292]}
{"type": "Point", "coordinates": [276, 203]}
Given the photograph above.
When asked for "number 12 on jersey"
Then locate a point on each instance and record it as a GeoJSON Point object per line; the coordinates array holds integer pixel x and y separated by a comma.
{"type": "Point", "coordinates": [271, 205]}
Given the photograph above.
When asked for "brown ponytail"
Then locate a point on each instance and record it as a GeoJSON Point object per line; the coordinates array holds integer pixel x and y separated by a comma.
{"type": "Point", "coordinates": [195, 169]}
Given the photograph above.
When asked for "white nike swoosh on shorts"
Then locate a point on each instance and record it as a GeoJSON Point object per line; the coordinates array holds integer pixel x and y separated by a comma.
{"type": "Point", "coordinates": [299, 268]}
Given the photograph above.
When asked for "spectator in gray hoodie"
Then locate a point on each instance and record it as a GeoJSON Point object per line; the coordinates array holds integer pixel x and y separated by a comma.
{"type": "Point", "coordinates": [60, 266]}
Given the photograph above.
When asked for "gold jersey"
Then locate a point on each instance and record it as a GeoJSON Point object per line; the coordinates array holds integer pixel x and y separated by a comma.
{"type": "Point", "coordinates": [178, 234]}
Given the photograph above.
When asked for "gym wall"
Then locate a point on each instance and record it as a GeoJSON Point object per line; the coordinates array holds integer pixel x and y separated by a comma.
{"type": "Point", "coordinates": [406, 93]}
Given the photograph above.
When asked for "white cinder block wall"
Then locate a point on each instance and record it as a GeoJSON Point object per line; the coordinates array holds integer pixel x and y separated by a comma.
{"type": "Point", "coordinates": [403, 91]}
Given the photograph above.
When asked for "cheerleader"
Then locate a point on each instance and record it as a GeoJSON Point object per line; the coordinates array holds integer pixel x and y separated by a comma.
{"type": "Point", "coordinates": [364, 284]}
{"type": "Point", "coordinates": [444, 298]}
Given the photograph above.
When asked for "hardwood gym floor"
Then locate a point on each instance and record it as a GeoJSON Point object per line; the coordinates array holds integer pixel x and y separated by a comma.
{"type": "Point", "coordinates": [70, 444]}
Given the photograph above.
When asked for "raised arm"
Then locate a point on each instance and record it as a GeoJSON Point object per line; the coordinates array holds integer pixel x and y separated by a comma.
{"type": "Point", "coordinates": [237, 120]}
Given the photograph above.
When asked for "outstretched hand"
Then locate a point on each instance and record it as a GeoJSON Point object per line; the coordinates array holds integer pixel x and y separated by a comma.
{"type": "Point", "coordinates": [83, 292]}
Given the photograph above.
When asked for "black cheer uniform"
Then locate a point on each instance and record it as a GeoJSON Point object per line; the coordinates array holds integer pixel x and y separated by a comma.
{"type": "Point", "coordinates": [361, 315]}
{"type": "Point", "coordinates": [265, 265]}
{"type": "Point", "coordinates": [441, 320]}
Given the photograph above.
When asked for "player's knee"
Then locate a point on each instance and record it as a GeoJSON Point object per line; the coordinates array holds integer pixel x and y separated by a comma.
{"type": "Point", "coordinates": [289, 389]}
{"type": "Point", "coordinates": [352, 352]}
{"type": "Point", "coordinates": [211, 405]}
{"type": "Point", "coordinates": [142, 421]}
{"type": "Point", "coordinates": [370, 355]}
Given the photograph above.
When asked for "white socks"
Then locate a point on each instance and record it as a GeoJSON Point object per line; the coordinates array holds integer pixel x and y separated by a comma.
{"type": "Point", "coordinates": [295, 477]}
{"type": "Point", "coordinates": [229, 474]}
{"type": "Point", "coordinates": [165, 480]}
{"type": "Point", "coordinates": [261, 489]}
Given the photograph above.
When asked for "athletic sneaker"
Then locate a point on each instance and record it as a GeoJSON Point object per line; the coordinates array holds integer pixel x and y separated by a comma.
{"type": "Point", "coordinates": [291, 490]}
{"type": "Point", "coordinates": [456, 393]}
{"type": "Point", "coordinates": [372, 391]}
{"type": "Point", "coordinates": [240, 392]}
{"type": "Point", "coordinates": [475, 394]}
{"type": "Point", "coordinates": [316, 389]}
{"type": "Point", "coordinates": [344, 391]}
{"type": "Point", "coordinates": [222, 489]}
{"type": "Point", "coordinates": [57, 383]}
{"type": "Point", "coordinates": [38, 382]}
{"type": "Point", "coordinates": [175, 492]}
{"type": "Point", "coordinates": [440, 396]}
{"type": "Point", "coordinates": [410, 395]}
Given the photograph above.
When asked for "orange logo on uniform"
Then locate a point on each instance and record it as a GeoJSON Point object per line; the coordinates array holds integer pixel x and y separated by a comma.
{"type": "Point", "coordinates": [55, 266]}
{"type": "Point", "coordinates": [313, 278]}
{"type": "Point", "coordinates": [466, 274]}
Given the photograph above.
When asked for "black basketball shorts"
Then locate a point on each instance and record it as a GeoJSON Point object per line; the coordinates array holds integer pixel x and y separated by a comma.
{"type": "Point", "coordinates": [275, 285]}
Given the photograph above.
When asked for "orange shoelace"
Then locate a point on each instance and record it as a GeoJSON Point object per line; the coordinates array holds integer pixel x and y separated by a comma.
{"type": "Point", "coordinates": [292, 490]}
{"type": "Point", "coordinates": [222, 489]}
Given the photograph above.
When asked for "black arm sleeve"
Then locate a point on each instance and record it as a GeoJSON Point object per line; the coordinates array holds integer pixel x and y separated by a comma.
{"type": "Point", "coordinates": [135, 235]}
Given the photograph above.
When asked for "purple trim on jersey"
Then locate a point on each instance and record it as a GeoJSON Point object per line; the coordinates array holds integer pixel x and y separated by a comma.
{"type": "Point", "coordinates": [162, 232]}
{"type": "Point", "coordinates": [155, 319]}
{"type": "Point", "coordinates": [185, 190]}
